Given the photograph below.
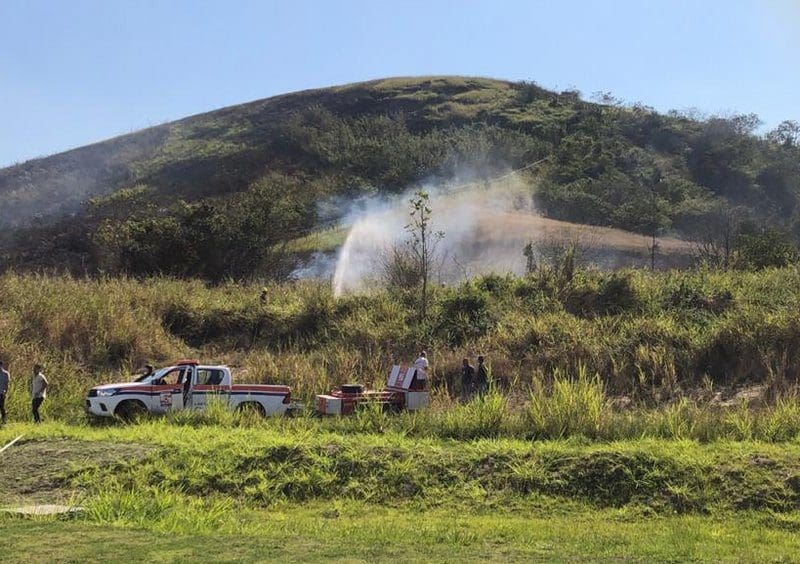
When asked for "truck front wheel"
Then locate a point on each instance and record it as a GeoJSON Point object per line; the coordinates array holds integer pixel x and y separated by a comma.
{"type": "Point", "coordinates": [130, 410]}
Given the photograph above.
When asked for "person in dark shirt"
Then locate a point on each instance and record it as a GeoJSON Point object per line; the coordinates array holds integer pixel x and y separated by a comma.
{"type": "Point", "coordinates": [5, 379]}
{"type": "Point", "coordinates": [467, 379]}
{"type": "Point", "coordinates": [482, 381]}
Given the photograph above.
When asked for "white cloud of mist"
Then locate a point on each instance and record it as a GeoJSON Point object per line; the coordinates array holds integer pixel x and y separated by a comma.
{"type": "Point", "coordinates": [486, 224]}
{"type": "Point", "coordinates": [465, 211]}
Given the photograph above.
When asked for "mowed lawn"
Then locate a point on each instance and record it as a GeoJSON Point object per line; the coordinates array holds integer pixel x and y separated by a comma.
{"type": "Point", "coordinates": [369, 533]}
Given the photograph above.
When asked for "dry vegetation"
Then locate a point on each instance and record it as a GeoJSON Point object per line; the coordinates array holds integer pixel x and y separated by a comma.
{"type": "Point", "coordinates": [652, 338]}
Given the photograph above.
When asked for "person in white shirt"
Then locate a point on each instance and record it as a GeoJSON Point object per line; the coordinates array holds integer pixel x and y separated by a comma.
{"type": "Point", "coordinates": [421, 369]}
{"type": "Point", "coordinates": [38, 391]}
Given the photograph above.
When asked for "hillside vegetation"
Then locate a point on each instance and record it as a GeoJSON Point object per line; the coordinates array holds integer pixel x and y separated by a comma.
{"type": "Point", "coordinates": [218, 195]}
{"type": "Point", "coordinates": [651, 337]}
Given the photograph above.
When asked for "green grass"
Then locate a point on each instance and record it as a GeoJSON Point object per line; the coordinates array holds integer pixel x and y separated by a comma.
{"type": "Point", "coordinates": [354, 532]}
{"type": "Point", "coordinates": [325, 240]}
{"type": "Point", "coordinates": [214, 493]}
{"type": "Point", "coordinates": [266, 466]}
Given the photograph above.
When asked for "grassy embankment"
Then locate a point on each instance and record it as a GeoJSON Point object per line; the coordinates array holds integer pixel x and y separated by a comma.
{"type": "Point", "coordinates": [178, 491]}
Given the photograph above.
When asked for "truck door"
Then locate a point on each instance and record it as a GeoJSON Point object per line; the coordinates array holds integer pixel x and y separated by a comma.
{"type": "Point", "coordinates": [208, 385]}
{"type": "Point", "coordinates": [170, 389]}
{"type": "Point", "coordinates": [186, 384]}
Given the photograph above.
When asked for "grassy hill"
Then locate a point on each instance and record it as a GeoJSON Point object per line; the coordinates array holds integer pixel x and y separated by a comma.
{"type": "Point", "coordinates": [634, 415]}
{"type": "Point", "coordinates": [227, 188]}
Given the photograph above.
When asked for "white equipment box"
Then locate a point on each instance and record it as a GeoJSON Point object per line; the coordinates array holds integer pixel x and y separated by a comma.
{"type": "Point", "coordinates": [417, 400]}
{"type": "Point", "coordinates": [329, 405]}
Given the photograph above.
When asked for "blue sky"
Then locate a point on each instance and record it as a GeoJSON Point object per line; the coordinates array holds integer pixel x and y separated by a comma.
{"type": "Point", "coordinates": [78, 71]}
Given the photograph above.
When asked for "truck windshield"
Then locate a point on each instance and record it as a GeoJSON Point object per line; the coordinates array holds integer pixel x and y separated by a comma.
{"type": "Point", "coordinates": [151, 376]}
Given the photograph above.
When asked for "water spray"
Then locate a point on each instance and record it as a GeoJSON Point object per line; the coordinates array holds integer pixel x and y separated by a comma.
{"type": "Point", "coordinates": [461, 210]}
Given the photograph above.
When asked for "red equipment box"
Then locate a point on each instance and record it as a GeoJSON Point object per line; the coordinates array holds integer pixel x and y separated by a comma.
{"type": "Point", "coordinates": [403, 391]}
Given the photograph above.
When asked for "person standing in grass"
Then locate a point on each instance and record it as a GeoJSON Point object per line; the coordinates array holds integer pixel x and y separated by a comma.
{"type": "Point", "coordinates": [5, 380]}
{"type": "Point", "coordinates": [421, 371]}
{"type": "Point", "coordinates": [38, 391]}
{"type": "Point", "coordinates": [482, 381]}
{"type": "Point", "coordinates": [467, 377]}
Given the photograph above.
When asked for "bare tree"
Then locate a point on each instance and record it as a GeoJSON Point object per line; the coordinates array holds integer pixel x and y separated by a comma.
{"type": "Point", "coordinates": [655, 218]}
{"type": "Point", "coordinates": [653, 247]}
{"type": "Point", "coordinates": [398, 267]}
{"type": "Point", "coordinates": [714, 233]}
{"type": "Point", "coordinates": [422, 242]}
{"type": "Point", "coordinates": [551, 250]}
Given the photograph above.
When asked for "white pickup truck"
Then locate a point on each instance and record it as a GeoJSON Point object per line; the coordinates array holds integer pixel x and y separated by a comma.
{"type": "Point", "coordinates": [185, 385]}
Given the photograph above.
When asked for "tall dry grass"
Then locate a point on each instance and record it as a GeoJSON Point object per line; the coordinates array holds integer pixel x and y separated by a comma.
{"type": "Point", "coordinates": [653, 337]}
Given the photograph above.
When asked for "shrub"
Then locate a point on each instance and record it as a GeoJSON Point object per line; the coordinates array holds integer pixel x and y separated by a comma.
{"type": "Point", "coordinates": [763, 248]}
{"type": "Point", "coordinates": [567, 406]}
{"type": "Point", "coordinates": [689, 297]}
{"type": "Point", "coordinates": [601, 294]}
{"type": "Point", "coordinates": [464, 315]}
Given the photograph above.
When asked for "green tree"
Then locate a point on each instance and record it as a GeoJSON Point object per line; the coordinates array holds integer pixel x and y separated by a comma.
{"type": "Point", "coordinates": [767, 247]}
{"type": "Point", "coordinates": [787, 133]}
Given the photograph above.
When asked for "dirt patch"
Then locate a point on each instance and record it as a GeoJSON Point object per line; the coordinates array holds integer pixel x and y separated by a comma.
{"type": "Point", "coordinates": [41, 470]}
